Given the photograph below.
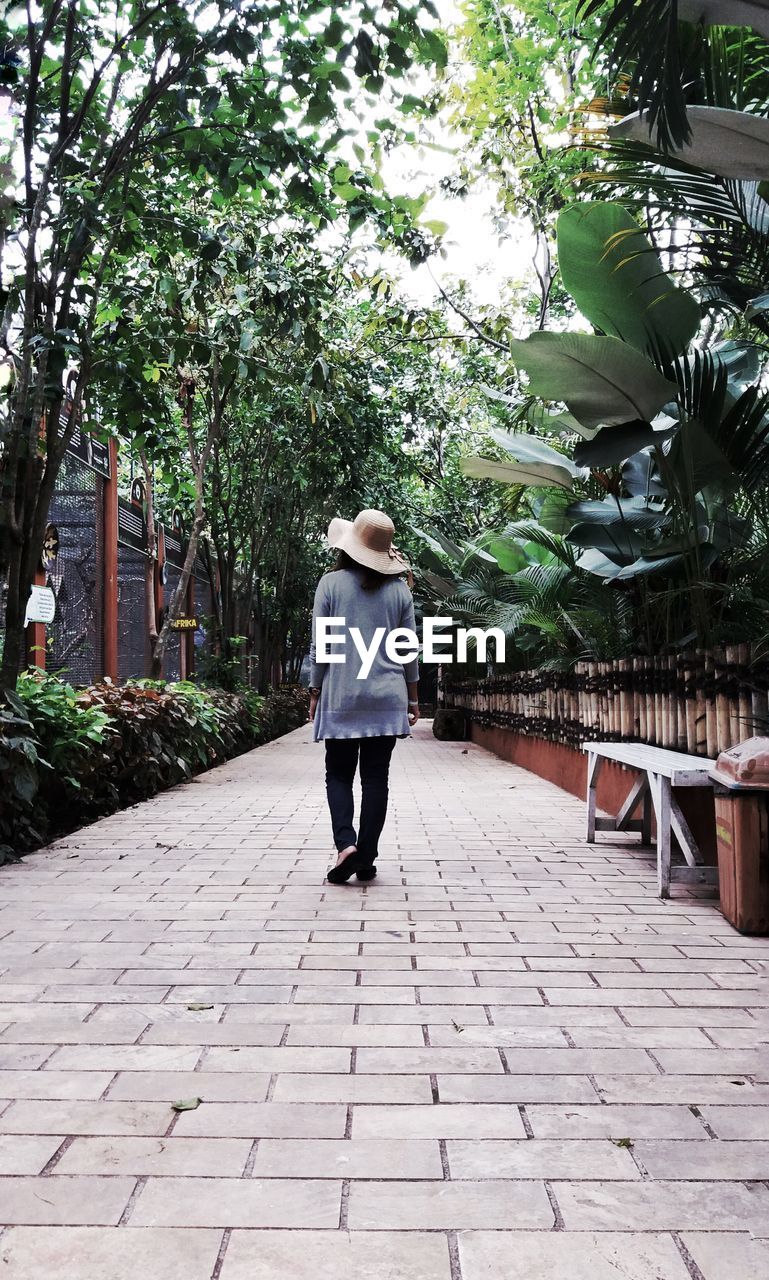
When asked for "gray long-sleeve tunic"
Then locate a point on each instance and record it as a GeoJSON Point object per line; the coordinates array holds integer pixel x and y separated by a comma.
{"type": "Point", "coordinates": [378, 704]}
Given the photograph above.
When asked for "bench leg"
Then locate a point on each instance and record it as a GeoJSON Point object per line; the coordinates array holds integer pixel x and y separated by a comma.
{"type": "Point", "coordinates": [689, 846]}
{"type": "Point", "coordinates": [646, 821]}
{"type": "Point", "coordinates": [594, 764]}
{"type": "Point", "coordinates": [632, 800]}
{"type": "Point", "coordinates": [661, 794]}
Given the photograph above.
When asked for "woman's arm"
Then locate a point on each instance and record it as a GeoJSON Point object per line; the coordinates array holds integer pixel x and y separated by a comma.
{"type": "Point", "coordinates": [413, 689]}
{"type": "Point", "coordinates": [317, 669]}
{"type": "Point", "coordinates": [411, 669]}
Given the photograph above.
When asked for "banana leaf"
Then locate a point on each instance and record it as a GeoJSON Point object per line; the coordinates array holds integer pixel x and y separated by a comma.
{"type": "Point", "coordinates": [509, 554]}
{"type": "Point", "coordinates": [731, 144]}
{"type": "Point", "coordinates": [617, 541]}
{"type": "Point", "coordinates": [537, 474]}
{"type": "Point", "coordinates": [557, 423]}
{"type": "Point", "coordinates": [615, 444]}
{"type": "Point", "coordinates": [633, 512]}
{"type": "Point", "coordinates": [616, 278]}
{"type": "Point", "coordinates": [732, 13]}
{"type": "Point", "coordinates": [531, 449]}
{"type": "Point", "coordinates": [602, 381]}
{"type": "Point", "coordinates": [698, 461]}
{"type": "Point", "coordinates": [641, 477]}
{"type": "Point", "coordinates": [596, 562]}
{"type": "Point", "coordinates": [438, 544]}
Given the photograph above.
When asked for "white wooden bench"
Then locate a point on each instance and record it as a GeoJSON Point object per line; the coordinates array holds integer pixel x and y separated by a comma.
{"type": "Point", "coordinates": [662, 772]}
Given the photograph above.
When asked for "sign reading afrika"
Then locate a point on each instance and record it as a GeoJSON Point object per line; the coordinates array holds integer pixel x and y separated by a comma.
{"type": "Point", "coordinates": [41, 606]}
{"type": "Point", "coordinates": [185, 624]}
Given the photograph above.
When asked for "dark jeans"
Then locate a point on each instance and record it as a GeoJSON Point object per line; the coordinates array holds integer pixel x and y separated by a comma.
{"type": "Point", "coordinates": [342, 756]}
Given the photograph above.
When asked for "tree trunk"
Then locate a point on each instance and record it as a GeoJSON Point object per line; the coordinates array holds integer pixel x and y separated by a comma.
{"type": "Point", "coordinates": [178, 600]}
{"type": "Point", "coordinates": [15, 609]}
{"type": "Point", "coordinates": [152, 555]}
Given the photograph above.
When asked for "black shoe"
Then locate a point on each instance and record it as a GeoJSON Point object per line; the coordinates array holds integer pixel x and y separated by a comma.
{"type": "Point", "coordinates": [342, 873]}
{"type": "Point", "coordinates": [366, 872]}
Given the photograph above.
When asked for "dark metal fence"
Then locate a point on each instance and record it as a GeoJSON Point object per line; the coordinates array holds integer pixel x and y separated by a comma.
{"type": "Point", "coordinates": [97, 565]}
{"type": "Point", "coordinates": [74, 642]}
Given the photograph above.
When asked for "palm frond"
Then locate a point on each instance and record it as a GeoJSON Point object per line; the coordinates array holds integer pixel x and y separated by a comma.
{"type": "Point", "coordinates": [645, 41]}
{"type": "Point", "coordinates": [715, 230]}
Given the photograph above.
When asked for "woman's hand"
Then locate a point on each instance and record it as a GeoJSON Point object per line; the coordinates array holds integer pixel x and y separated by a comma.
{"type": "Point", "coordinates": [413, 713]}
{"type": "Point", "coordinates": [313, 706]}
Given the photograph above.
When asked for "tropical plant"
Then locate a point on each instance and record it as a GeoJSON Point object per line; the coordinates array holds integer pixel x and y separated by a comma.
{"type": "Point", "coordinates": [526, 581]}
{"type": "Point", "coordinates": [674, 439]}
{"type": "Point", "coordinates": [22, 825]}
{"type": "Point", "coordinates": [665, 49]}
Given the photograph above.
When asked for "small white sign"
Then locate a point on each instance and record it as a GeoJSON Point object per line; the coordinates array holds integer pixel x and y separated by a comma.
{"type": "Point", "coordinates": [41, 606]}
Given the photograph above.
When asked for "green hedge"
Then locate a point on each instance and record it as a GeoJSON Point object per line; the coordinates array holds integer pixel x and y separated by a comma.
{"type": "Point", "coordinates": [69, 756]}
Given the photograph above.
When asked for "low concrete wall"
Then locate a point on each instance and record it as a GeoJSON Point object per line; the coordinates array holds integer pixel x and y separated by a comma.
{"type": "Point", "coordinates": [567, 768]}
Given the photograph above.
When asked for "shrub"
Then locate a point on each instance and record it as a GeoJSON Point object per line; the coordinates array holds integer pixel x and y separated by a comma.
{"type": "Point", "coordinates": [20, 826]}
{"type": "Point", "coordinates": [73, 741]}
{"type": "Point", "coordinates": [67, 756]}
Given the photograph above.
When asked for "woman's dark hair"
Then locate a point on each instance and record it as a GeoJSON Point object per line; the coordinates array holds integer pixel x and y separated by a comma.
{"type": "Point", "coordinates": [371, 579]}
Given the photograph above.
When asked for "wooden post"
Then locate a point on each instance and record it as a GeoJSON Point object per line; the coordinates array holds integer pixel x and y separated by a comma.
{"type": "Point", "coordinates": [710, 706]}
{"type": "Point", "coordinates": [732, 655]}
{"type": "Point", "coordinates": [723, 723]}
{"type": "Point", "coordinates": [745, 717]}
{"type": "Point", "coordinates": [110, 564]}
{"type": "Point", "coordinates": [661, 796]}
{"type": "Point", "coordinates": [36, 633]}
{"type": "Point", "coordinates": [188, 637]}
{"type": "Point", "coordinates": [159, 563]}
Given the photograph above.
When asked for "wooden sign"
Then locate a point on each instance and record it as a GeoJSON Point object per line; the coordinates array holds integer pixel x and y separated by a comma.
{"type": "Point", "coordinates": [185, 624]}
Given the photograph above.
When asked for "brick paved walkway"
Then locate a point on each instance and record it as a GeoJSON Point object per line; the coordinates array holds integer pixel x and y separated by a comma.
{"type": "Point", "coordinates": [506, 1060]}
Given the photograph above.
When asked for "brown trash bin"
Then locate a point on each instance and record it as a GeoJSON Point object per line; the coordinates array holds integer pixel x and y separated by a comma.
{"type": "Point", "coordinates": [741, 776]}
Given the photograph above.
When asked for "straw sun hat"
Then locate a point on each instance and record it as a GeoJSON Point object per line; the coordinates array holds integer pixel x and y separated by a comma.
{"type": "Point", "coordinates": [368, 539]}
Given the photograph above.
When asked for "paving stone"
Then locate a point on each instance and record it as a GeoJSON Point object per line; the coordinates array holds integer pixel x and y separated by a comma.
{"type": "Point", "coordinates": [473, 1061]}
{"type": "Point", "coordinates": [21, 1057]}
{"type": "Point", "coordinates": [409, 1206]}
{"type": "Point", "coordinates": [662, 1206]}
{"type": "Point", "coordinates": [728, 1254]}
{"type": "Point", "coordinates": [88, 1253]}
{"type": "Point", "coordinates": [352, 1088]}
{"type": "Point", "coordinates": [23, 1154]}
{"type": "Point", "coordinates": [347, 1255]}
{"type": "Point", "coordinates": [238, 1202]}
{"type": "Point", "coordinates": [437, 1121]}
{"type": "Point", "coordinates": [742, 1161]}
{"type": "Point", "coordinates": [692, 1090]}
{"type": "Point", "coordinates": [534, 1159]}
{"type": "Point", "coordinates": [224, 1033]}
{"type": "Point", "coordinates": [169, 1086]}
{"type": "Point", "coordinates": [613, 1122]}
{"type": "Point", "coordinates": [526, 1255]}
{"type": "Point", "coordinates": [384, 1035]}
{"type": "Point", "coordinates": [350, 1158]}
{"type": "Point", "coordinates": [138, 1057]}
{"type": "Point", "coordinates": [85, 1117]}
{"type": "Point", "coordinates": [750, 1122]}
{"type": "Point", "coordinates": [204, 1157]}
{"type": "Point", "coordinates": [261, 1120]}
{"type": "Point", "coordinates": [279, 1060]}
{"type": "Point", "coordinates": [516, 1089]}
{"type": "Point", "coordinates": [53, 1084]}
{"type": "Point", "coordinates": [64, 1201]}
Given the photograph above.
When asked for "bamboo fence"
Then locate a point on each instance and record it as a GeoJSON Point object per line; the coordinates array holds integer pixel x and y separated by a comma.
{"type": "Point", "coordinates": [700, 703]}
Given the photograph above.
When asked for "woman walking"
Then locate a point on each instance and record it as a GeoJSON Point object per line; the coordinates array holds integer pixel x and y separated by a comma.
{"type": "Point", "coordinates": [361, 699]}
